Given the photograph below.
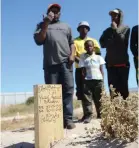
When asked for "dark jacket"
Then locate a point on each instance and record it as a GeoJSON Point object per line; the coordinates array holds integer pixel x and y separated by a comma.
{"type": "Point", "coordinates": [116, 43]}
{"type": "Point", "coordinates": [134, 41]}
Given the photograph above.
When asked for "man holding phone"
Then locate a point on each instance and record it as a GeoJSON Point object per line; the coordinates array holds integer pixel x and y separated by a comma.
{"type": "Point", "coordinates": [58, 57]}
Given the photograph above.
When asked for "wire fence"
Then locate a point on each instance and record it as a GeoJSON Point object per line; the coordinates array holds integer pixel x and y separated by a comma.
{"type": "Point", "coordinates": [18, 98]}
{"type": "Point", "coordinates": [14, 98]}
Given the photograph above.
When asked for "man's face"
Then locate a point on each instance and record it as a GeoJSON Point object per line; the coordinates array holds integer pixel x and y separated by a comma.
{"type": "Point", "coordinates": [83, 30]}
{"type": "Point", "coordinates": [56, 12]}
{"type": "Point", "coordinates": [114, 17]}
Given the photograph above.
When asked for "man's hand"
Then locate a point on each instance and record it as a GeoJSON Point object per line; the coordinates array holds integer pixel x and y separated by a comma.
{"type": "Point", "coordinates": [49, 17]}
{"type": "Point", "coordinates": [71, 60]}
{"type": "Point", "coordinates": [114, 25]}
{"type": "Point", "coordinates": [46, 20]}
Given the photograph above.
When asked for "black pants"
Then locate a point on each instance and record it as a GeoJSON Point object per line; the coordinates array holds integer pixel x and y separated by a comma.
{"type": "Point", "coordinates": [79, 83]}
{"type": "Point", "coordinates": [92, 91]}
{"type": "Point", "coordinates": [62, 74]}
{"type": "Point", "coordinates": [136, 68]}
{"type": "Point", "coordinates": [118, 77]}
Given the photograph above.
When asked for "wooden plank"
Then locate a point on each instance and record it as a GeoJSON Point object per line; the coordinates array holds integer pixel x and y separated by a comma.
{"type": "Point", "coordinates": [48, 115]}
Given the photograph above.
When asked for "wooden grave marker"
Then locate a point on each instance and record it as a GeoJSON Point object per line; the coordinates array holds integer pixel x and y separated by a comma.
{"type": "Point", "coordinates": [48, 114]}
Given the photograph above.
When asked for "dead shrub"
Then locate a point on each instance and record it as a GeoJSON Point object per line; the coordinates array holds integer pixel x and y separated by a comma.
{"type": "Point", "coordinates": [120, 117]}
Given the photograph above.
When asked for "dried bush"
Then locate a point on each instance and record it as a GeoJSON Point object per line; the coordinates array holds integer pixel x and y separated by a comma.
{"type": "Point", "coordinates": [30, 100]}
{"type": "Point", "coordinates": [120, 117]}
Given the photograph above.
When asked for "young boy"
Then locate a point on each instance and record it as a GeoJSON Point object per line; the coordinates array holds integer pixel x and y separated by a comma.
{"type": "Point", "coordinates": [93, 73]}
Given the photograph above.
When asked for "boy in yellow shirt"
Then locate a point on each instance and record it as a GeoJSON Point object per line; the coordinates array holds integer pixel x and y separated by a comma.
{"type": "Point", "coordinates": [83, 29]}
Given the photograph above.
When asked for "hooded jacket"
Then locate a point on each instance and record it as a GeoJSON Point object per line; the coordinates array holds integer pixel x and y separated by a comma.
{"type": "Point", "coordinates": [134, 41]}
{"type": "Point", "coordinates": [116, 43]}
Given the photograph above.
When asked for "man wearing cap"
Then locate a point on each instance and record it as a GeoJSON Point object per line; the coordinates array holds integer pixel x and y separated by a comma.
{"type": "Point", "coordinates": [134, 48]}
{"type": "Point", "coordinates": [115, 40]}
{"type": "Point", "coordinates": [58, 57]}
{"type": "Point", "coordinates": [83, 29]}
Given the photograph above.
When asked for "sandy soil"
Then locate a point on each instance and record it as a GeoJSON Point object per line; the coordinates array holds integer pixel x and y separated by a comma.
{"type": "Point", "coordinates": [76, 138]}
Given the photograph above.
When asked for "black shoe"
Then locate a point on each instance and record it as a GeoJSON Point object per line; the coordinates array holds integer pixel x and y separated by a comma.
{"type": "Point", "coordinates": [87, 119]}
{"type": "Point", "coordinates": [98, 117]}
{"type": "Point", "coordinates": [82, 119]}
{"type": "Point", "coordinates": [69, 125]}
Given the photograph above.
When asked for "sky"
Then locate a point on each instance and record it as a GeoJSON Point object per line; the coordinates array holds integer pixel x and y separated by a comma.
{"type": "Point", "coordinates": [21, 63]}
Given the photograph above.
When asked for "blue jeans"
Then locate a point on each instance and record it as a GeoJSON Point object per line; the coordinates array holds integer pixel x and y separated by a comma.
{"type": "Point", "coordinates": [62, 74]}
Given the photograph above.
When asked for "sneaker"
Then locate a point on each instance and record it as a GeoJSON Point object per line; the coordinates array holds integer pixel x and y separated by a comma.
{"type": "Point", "coordinates": [69, 125]}
{"type": "Point", "coordinates": [88, 119]}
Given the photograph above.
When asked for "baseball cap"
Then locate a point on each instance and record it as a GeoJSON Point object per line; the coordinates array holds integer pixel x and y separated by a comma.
{"type": "Point", "coordinates": [54, 5]}
{"type": "Point", "coordinates": [83, 23]}
{"type": "Point", "coordinates": [114, 11]}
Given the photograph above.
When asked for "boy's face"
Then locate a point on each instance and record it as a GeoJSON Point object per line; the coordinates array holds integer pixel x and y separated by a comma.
{"type": "Point", "coordinates": [89, 47]}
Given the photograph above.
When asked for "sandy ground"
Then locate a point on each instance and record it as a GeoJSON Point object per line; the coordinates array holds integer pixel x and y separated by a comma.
{"type": "Point", "coordinates": [76, 138]}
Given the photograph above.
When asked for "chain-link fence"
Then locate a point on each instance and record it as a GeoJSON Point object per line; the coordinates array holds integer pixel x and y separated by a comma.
{"type": "Point", "coordinates": [14, 98]}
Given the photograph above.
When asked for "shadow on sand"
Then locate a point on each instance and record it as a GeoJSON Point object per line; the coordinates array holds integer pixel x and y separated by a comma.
{"type": "Point", "coordinates": [21, 145]}
{"type": "Point", "coordinates": [99, 142]}
{"type": "Point", "coordinates": [24, 129]}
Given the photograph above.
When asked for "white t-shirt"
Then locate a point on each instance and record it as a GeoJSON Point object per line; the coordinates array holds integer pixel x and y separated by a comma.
{"type": "Point", "coordinates": [92, 64]}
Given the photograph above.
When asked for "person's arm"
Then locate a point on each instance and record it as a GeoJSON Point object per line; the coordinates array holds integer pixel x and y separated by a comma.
{"type": "Point", "coordinates": [82, 66]}
{"type": "Point", "coordinates": [133, 41]}
{"type": "Point", "coordinates": [40, 33]}
{"type": "Point", "coordinates": [101, 70]}
{"type": "Point", "coordinates": [72, 55]}
{"type": "Point", "coordinates": [101, 62]}
{"type": "Point", "coordinates": [102, 40]}
{"type": "Point", "coordinates": [122, 35]}
{"type": "Point", "coordinates": [72, 48]}
{"type": "Point", "coordinates": [77, 59]}
{"type": "Point", "coordinates": [97, 47]}
{"type": "Point", "coordinates": [105, 39]}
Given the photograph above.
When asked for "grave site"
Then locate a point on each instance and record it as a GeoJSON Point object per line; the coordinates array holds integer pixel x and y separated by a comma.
{"type": "Point", "coordinates": [118, 126]}
{"type": "Point", "coordinates": [48, 117]}
{"type": "Point", "coordinates": [114, 124]}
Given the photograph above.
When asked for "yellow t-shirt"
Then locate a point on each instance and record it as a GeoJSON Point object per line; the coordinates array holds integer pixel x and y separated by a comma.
{"type": "Point", "coordinates": [79, 45]}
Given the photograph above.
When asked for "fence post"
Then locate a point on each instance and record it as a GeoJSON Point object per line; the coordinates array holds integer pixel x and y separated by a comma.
{"type": "Point", "coordinates": [3, 96]}
{"type": "Point", "coordinates": [25, 96]}
{"type": "Point", "coordinates": [15, 98]}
